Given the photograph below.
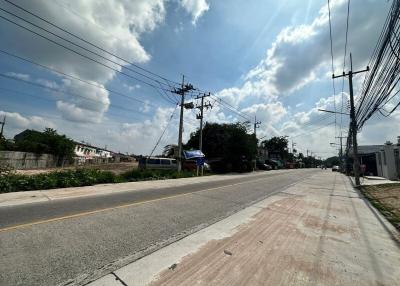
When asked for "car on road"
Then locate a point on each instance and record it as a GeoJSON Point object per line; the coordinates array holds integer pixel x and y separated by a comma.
{"type": "Point", "coordinates": [263, 166]}
{"type": "Point", "coordinates": [335, 168]}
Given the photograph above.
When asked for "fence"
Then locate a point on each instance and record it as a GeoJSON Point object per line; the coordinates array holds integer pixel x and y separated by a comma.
{"type": "Point", "coordinates": [25, 160]}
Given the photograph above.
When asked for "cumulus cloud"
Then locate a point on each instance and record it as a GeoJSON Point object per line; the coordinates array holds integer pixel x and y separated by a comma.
{"type": "Point", "coordinates": [15, 122]}
{"type": "Point", "coordinates": [26, 77]}
{"type": "Point", "coordinates": [301, 55]}
{"type": "Point", "coordinates": [115, 25]}
{"type": "Point", "coordinates": [195, 7]}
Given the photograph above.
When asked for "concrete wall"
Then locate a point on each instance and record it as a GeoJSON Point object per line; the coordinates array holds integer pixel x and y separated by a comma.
{"type": "Point", "coordinates": [25, 160]}
{"type": "Point", "coordinates": [386, 166]}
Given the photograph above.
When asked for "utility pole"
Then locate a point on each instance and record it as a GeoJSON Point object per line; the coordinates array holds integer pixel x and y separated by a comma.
{"type": "Point", "coordinates": [353, 122]}
{"type": "Point", "coordinates": [341, 150]}
{"type": "Point", "coordinates": [181, 91]}
{"type": "Point", "coordinates": [2, 126]}
{"type": "Point", "coordinates": [312, 160]}
{"type": "Point", "coordinates": [256, 125]}
{"type": "Point", "coordinates": [200, 116]}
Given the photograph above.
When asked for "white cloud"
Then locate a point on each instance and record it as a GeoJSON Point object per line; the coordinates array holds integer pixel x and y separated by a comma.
{"type": "Point", "coordinates": [131, 87]}
{"type": "Point", "coordinates": [115, 25]}
{"type": "Point", "coordinates": [300, 54]}
{"type": "Point", "coordinates": [15, 122]}
{"type": "Point", "coordinates": [270, 112]}
{"type": "Point", "coordinates": [146, 106]}
{"type": "Point", "coordinates": [195, 7]}
{"type": "Point", "coordinates": [21, 76]}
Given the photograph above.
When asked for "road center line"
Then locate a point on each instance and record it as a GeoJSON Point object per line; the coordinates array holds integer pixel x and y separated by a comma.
{"type": "Point", "coordinates": [121, 206]}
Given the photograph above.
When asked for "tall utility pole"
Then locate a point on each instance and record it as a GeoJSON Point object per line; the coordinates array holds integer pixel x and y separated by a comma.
{"type": "Point", "coordinates": [200, 116]}
{"type": "Point", "coordinates": [312, 159]}
{"type": "Point", "coordinates": [353, 122]}
{"type": "Point", "coordinates": [2, 126]}
{"type": "Point", "coordinates": [341, 150]}
{"type": "Point", "coordinates": [181, 91]}
{"type": "Point", "coordinates": [256, 125]}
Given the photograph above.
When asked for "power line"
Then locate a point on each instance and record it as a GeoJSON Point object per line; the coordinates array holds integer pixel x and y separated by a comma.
{"type": "Point", "coordinates": [69, 93]}
{"type": "Point", "coordinates": [165, 129]}
{"type": "Point", "coordinates": [380, 83]}
{"type": "Point", "coordinates": [228, 106]}
{"type": "Point", "coordinates": [80, 54]}
{"type": "Point", "coordinates": [114, 114]}
{"type": "Point", "coordinates": [344, 61]}
{"type": "Point", "coordinates": [28, 115]}
{"type": "Point", "coordinates": [74, 77]}
{"type": "Point", "coordinates": [86, 41]}
{"type": "Point", "coordinates": [333, 69]}
{"type": "Point", "coordinates": [306, 133]}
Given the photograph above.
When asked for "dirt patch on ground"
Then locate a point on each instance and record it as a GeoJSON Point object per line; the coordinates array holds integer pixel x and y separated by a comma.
{"type": "Point", "coordinates": [116, 168]}
{"type": "Point", "coordinates": [386, 198]}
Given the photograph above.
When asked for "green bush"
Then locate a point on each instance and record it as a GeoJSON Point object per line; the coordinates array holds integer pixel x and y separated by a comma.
{"type": "Point", "coordinates": [11, 182]}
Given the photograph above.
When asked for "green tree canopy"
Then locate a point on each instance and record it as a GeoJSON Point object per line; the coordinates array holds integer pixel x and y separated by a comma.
{"type": "Point", "coordinates": [229, 143]}
{"type": "Point", "coordinates": [278, 145]}
{"type": "Point", "coordinates": [49, 142]}
{"type": "Point", "coordinates": [332, 161]}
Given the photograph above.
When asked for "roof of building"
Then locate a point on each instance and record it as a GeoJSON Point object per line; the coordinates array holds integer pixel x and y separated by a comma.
{"type": "Point", "coordinates": [22, 135]}
{"type": "Point", "coordinates": [367, 149]}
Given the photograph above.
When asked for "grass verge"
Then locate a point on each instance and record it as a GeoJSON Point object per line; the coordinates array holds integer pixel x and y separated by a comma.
{"type": "Point", "coordinates": [385, 198]}
{"type": "Point", "coordinates": [11, 182]}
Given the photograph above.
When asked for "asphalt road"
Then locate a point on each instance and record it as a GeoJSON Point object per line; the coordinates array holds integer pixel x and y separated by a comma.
{"type": "Point", "coordinates": [73, 241]}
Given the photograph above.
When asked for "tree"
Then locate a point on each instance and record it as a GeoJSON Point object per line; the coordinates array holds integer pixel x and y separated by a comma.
{"type": "Point", "coordinates": [170, 150]}
{"type": "Point", "coordinates": [229, 144]}
{"type": "Point", "coordinates": [48, 141]}
{"type": "Point", "coordinates": [277, 145]}
{"type": "Point", "coordinates": [332, 161]}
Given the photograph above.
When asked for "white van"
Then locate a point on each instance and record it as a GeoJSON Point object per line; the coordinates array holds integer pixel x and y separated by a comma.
{"type": "Point", "coordinates": [158, 163]}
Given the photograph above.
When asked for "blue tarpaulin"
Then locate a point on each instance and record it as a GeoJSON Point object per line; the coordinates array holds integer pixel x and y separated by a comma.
{"type": "Point", "coordinates": [192, 154]}
{"type": "Point", "coordinates": [200, 161]}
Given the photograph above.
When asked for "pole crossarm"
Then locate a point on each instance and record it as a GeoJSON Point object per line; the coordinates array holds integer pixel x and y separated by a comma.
{"type": "Point", "coordinates": [331, 111]}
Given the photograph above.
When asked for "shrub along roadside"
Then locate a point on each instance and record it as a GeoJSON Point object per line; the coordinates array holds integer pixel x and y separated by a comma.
{"type": "Point", "coordinates": [10, 182]}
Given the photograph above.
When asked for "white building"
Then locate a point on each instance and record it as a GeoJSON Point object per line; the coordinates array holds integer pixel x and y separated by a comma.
{"type": "Point", "coordinates": [381, 160]}
{"type": "Point", "coordinates": [387, 160]}
{"type": "Point", "coordinates": [86, 153]}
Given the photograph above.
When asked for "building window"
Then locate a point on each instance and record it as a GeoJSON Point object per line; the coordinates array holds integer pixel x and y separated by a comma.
{"type": "Point", "coordinates": [379, 159]}
{"type": "Point", "coordinates": [384, 157]}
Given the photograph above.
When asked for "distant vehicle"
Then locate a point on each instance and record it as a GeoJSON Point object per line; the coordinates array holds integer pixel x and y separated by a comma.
{"type": "Point", "coordinates": [158, 163]}
{"type": "Point", "coordinates": [335, 168]}
{"type": "Point", "coordinates": [263, 166]}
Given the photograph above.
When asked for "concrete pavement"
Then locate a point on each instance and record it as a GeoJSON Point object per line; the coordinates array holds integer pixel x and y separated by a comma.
{"type": "Point", "coordinates": [73, 241]}
{"type": "Point", "coordinates": [319, 231]}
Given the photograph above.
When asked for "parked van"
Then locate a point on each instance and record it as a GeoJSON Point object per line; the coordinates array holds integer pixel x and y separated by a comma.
{"type": "Point", "coordinates": [158, 163]}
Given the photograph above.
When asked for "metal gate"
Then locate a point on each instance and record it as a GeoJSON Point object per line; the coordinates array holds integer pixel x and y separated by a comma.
{"type": "Point", "coordinates": [397, 162]}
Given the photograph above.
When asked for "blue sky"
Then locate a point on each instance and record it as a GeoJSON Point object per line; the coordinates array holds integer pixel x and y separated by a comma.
{"type": "Point", "coordinates": [269, 59]}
